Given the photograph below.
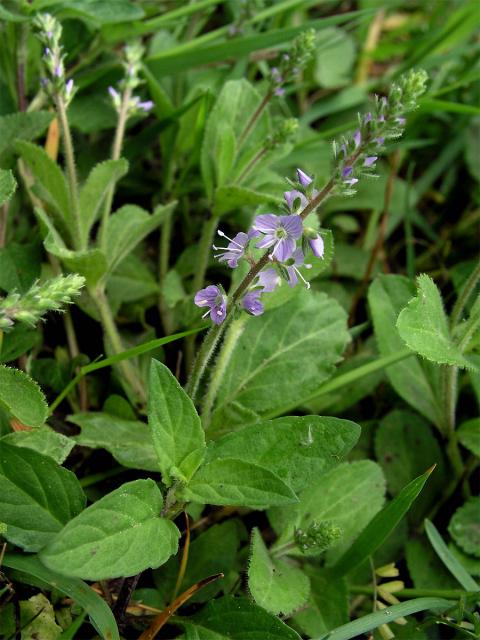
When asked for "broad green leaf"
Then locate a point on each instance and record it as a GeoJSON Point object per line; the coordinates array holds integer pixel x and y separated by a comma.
{"type": "Point", "coordinates": [470, 563]}
{"type": "Point", "coordinates": [44, 440]}
{"type": "Point", "coordinates": [275, 585]}
{"type": "Point", "coordinates": [98, 610]}
{"type": "Point", "coordinates": [297, 449]}
{"type": "Point", "coordinates": [405, 446]}
{"type": "Point", "coordinates": [21, 126]}
{"type": "Point", "coordinates": [449, 560]}
{"type": "Point", "coordinates": [349, 496]}
{"type": "Point", "coordinates": [335, 58]}
{"type": "Point", "coordinates": [380, 527]}
{"type": "Point", "coordinates": [50, 179]}
{"type": "Point", "coordinates": [425, 568]}
{"type": "Point", "coordinates": [101, 178]}
{"type": "Point", "coordinates": [226, 539]}
{"type": "Point", "coordinates": [38, 497]}
{"type": "Point", "coordinates": [178, 437]}
{"type": "Point", "coordinates": [413, 379]}
{"type": "Point", "coordinates": [327, 605]}
{"type": "Point", "coordinates": [22, 398]}
{"type": "Point", "coordinates": [280, 359]}
{"type": "Point", "coordinates": [129, 441]}
{"type": "Point", "coordinates": [372, 621]}
{"type": "Point", "coordinates": [8, 185]}
{"type": "Point", "coordinates": [132, 280]}
{"type": "Point", "coordinates": [18, 341]}
{"type": "Point", "coordinates": [19, 266]}
{"type": "Point", "coordinates": [423, 325]}
{"type": "Point", "coordinates": [236, 483]}
{"type": "Point", "coordinates": [469, 435]}
{"type": "Point", "coordinates": [128, 226]}
{"type": "Point", "coordinates": [464, 526]}
{"type": "Point", "coordinates": [231, 618]}
{"type": "Point", "coordinates": [91, 263]}
{"type": "Point", "coordinates": [101, 13]}
{"type": "Point", "coordinates": [230, 197]}
{"type": "Point", "coordinates": [120, 535]}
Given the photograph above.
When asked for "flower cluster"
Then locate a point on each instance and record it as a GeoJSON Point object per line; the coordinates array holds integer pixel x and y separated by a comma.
{"type": "Point", "coordinates": [303, 48]}
{"type": "Point", "coordinates": [55, 82]}
{"type": "Point", "coordinates": [287, 241]}
{"type": "Point", "coordinates": [132, 62]}
{"type": "Point", "coordinates": [318, 537]}
{"type": "Point", "coordinates": [38, 300]}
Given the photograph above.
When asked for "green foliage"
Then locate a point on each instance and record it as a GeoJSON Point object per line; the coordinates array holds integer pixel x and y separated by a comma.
{"type": "Point", "coordinates": [7, 186]}
{"type": "Point", "coordinates": [22, 398]}
{"type": "Point", "coordinates": [38, 496]}
{"type": "Point", "coordinates": [469, 435]}
{"type": "Point", "coordinates": [43, 440]}
{"type": "Point", "coordinates": [119, 535]}
{"type": "Point", "coordinates": [21, 126]}
{"type": "Point", "coordinates": [464, 527]}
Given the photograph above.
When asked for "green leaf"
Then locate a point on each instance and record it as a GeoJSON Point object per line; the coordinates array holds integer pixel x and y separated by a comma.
{"type": "Point", "coordinates": [44, 440]}
{"type": "Point", "coordinates": [129, 441]}
{"type": "Point", "coordinates": [236, 483]}
{"type": "Point", "coordinates": [291, 351]}
{"type": "Point", "coordinates": [128, 226]}
{"type": "Point", "coordinates": [8, 184]}
{"type": "Point", "coordinates": [98, 610]}
{"type": "Point", "coordinates": [380, 527]}
{"type": "Point", "coordinates": [230, 197]}
{"type": "Point", "coordinates": [327, 606]}
{"type": "Point", "coordinates": [423, 325]}
{"type": "Point", "coordinates": [101, 179]}
{"type": "Point", "coordinates": [102, 13]}
{"type": "Point", "coordinates": [425, 568]}
{"type": "Point", "coordinates": [349, 496]}
{"type": "Point", "coordinates": [371, 621]}
{"type": "Point", "coordinates": [413, 379]}
{"type": "Point", "coordinates": [21, 126]}
{"type": "Point", "coordinates": [132, 280]}
{"type": "Point", "coordinates": [449, 560]}
{"type": "Point", "coordinates": [91, 264]}
{"type": "Point", "coordinates": [297, 449]}
{"type": "Point", "coordinates": [178, 437]}
{"type": "Point", "coordinates": [231, 618]}
{"type": "Point", "coordinates": [38, 497]}
{"type": "Point", "coordinates": [50, 179]}
{"type": "Point", "coordinates": [464, 526]}
{"type": "Point", "coordinates": [120, 535]}
{"type": "Point", "coordinates": [19, 266]}
{"type": "Point", "coordinates": [274, 584]}
{"type": "Point", "coordinates": [335, 58]}
{"type": "Point", "coordinates": [469, 435]}
{"type": "Point", "coordinates": [22, 398]}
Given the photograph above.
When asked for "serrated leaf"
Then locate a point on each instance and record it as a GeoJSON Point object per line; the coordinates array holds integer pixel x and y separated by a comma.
{"type": "Point", "coordinates": [464, 526]}
{"type": "Point", "coordinates": [22, 398]}
{"type": "Point", "coordinates": [296, 448]}
{"type": "Point", "coordinates": [231, 618]}
{"type": "Point", "coordinates": [24, 125]}
{"type": "Point", "coordinates": [128, 226]}
{"type": "Point", "coordinates": [423, 325]}
{"type": "Point", "coordinates": [91, 263]}
{"type": "Point", "coordinates": [178, 437]}
{"type": "Point", "coordinates": [291, 351]}
{"type": "Point", "coordinates": [129, 441]}
{"type": "Point", "coordinates": [237, 483]}
{"type": "Point", "coordinates": [44, 440]}
{"type": "Point", "coordinates": [415, 380]}
{"type": "Point", "coordinates": [101, 178]}
{"type": "Point", "coordinates": [8, 185]}
{"type": "Point", "coordinates": [274, 584]}
{"type": "Point", "coordinates": [120, 535]}
{"type": "Point", "coordinates": [469, 435]}
{"type": "Point", "coordinates": [38, 497]}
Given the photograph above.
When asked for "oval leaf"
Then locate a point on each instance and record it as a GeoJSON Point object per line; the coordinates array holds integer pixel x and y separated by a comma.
{"type": "Point", "coordinates": [22, 398]}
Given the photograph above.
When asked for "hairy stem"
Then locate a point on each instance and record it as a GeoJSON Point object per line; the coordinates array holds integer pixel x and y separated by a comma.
{"type": "Point", "coordinates": [116, 153]}
{"type": "Point", "coordinates": [203, 357]}
{"type": "Point", "coordinates": [255, 116]}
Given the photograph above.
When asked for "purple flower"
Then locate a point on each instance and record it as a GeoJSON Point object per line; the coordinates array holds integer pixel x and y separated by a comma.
{"type": "Point", "coordinates": [370, 161]}
{"type": "Point", "coordinates": [303, 178]}
{"type": "Point", "coordinates": [235, 249]}
{"type": "Point", "coordinates": [296, 200]}
{"type": "Point", "coordinates": [293, 271]}
{"type": "Point", "coordinates": [276, 75]}
{"type": "Point", "coordinates": [268, 280]}
{"type": "Point", "coordinates": [279, 91]}
{"type": "Point", "coordinates": [252, 304]}
{"type": "Point", "coordinates": [69, 88]}
{"type": "Point", "coordinates": [357, 138]}
{"type": "Point", "coordinates": [213, 298]}
{"type": "Point", "coordinates": [113, 93]}
{"type": "Point", "coordinates": [400, 121]}
{"type": "Point", "coordinates": [367, 117]}
{"type": "Point", "coordinates": [317, 246]}
{"type": "Point", "coordinates": [346, 171]}
{"type": "Point", "coordinates": [281, 232]}
{"type": "Point", "coordinates": [58, 70]}
{"type": "Point", "coordinates": [381, 118]}
{"type": "Point", "coordinates": [380, 140]}
{"type": "Point", "coordinates": [145, 106]}
{"type": "Point", "coordinates": [351, 181]}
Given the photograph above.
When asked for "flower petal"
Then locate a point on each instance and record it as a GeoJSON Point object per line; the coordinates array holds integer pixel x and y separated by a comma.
{"type": "Point", "coordinates": [292, 276]}
{"type": "Point", "coordinates": [265, 242]}
{"type": "Point", "coordinates": [206, 297]}
{"type": "Point", "coordinates": [317, 246]}
{"type": "Point", "coordinates": [293, 225]}
{"type": "Point", "coordinates": [284, 249]}
{"type": "Point", "coordinates": [292, 197]}
{"type": "Point", "coordinates": [266, 223]}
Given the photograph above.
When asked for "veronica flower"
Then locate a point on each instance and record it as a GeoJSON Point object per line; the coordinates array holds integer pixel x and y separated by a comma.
{"type": "Point", "coordinates": [235, 249]}
{"type": "Point", "coordinates": [317, 246]}
{"type": "Point", "coordinates": [252, 304]}
{"type": "Point", "coordinates": [293, 271]}
{"type": "Point", "coordinates": [370, 161]}
{"type": "Point", "coordinates": [357, 138]}
{"type": "Point", "coordinates": [145, 106]}
{"type": "Point", "coordinates": [268, 280]}
{"type": "Point", "coordinates": [281, 232]}
{"type": "Point", "coordinates": [303, 178]}
{"type": "Point", "coordinates": [213, 298]}
{"type": "Point", "coordinates": [291, 198]}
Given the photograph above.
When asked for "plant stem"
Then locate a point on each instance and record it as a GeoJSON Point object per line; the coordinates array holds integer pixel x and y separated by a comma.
{"type": "Point", "coordinates": [234, 332]}
{"type": "Point", "coordinates": [21, 60]}
{"type": "Point", "coordinates": [255, 116]}
{"type": "Point", "coordinates": [71, 170]}
{"type": "Point", "coordinates": [417, 593]}
{"type": "Point", "coordinates": [205, 245]}
{"type": "Point", "coordinates": [116, 153]}
{"type": "Point", "coordinates": [115, 341]}
{"type": "Point", "coordinates": [203, 357]}
{"type": "Point", "coordinates": [464, 296]}
{"type": "Point", "coordinates": [256, 158]}
{"type": "Point", "coordinates": [128, 587]}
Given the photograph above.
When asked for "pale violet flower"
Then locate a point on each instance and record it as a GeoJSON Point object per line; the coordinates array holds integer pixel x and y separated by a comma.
{"type": "Point", "coordinates": [298, 260]}
{"type": "Point", "coordinates": [317, 246]}
{"type": "Point", "coordinates": [280, 232]}
{"type": "Point", "coordinates": [235, 249]}
{"type": "Point", "coordinates": [252, 304]}
{"type": "Point", "coordinates": [213, 298]}
{"type": "Point", "coordinates": [303, 178]}
{"type": "Point", "coordinates": [296, 200]}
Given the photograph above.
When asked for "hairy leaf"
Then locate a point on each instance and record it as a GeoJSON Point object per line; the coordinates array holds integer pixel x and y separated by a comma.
{"type": "Point", "coordinates": [22, 398]}
{"type": "Point", "coordinates": [8, 184]}
{"type": "Point", "coordinates": [44, 440]}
